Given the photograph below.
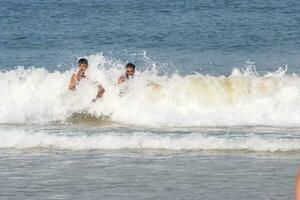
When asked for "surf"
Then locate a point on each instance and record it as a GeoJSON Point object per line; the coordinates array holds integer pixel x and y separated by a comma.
{"type": "Point", "coordinates": [118, 139]}
{"type": "Point", "coordinates": [243, 98]}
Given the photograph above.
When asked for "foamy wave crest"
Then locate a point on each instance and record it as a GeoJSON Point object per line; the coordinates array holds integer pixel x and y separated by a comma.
{"type": "Point", "coordinates": [22, 139]}
{"type": "Point", "coordinates": [243, 98]}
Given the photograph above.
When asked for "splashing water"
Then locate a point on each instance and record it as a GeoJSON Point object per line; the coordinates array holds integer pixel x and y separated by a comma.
{"type": "Point", "coordinates": [244, 98]}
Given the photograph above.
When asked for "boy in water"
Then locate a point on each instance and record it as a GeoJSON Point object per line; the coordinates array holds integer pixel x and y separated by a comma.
{"type": "Point", "coordinates": [130, 70]}
{"type": "Point", "coordinates": [80, 74]}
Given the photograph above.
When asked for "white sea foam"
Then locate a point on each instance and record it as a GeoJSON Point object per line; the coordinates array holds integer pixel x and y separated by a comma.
{"type": "Point", "coordinates": [22, 139]}
{"type": "Point", "coordinates": [243, 98]}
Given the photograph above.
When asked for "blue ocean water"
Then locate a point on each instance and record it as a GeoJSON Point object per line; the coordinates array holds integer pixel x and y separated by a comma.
{"type": "Point", "coordinates": [220, 122]}
{"type": "Point", "coordinates": [187, 36]}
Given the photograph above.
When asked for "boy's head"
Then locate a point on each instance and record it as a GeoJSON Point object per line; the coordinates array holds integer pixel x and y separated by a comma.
{"type": "Point", "coordinates": [83, 64]}
{"type": "Point", "coordinates": [130, 70]}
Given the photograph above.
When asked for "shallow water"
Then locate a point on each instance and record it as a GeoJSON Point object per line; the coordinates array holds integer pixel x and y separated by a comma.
{"type": "Point", "coordinates": [212, 113]}
{"type": "Point", "coordinates": [37, 174]}
{"type": "Point", "coordinates": [113, 162]}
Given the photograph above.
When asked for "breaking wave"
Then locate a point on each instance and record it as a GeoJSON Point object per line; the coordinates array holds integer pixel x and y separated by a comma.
{"type": "Point", "coordinates": [24, 139]}
{"type": "Point", "coordinates": [243, 98]}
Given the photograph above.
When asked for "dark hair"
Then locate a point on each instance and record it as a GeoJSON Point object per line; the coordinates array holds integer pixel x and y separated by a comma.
{"type": "Point", "coordinates": [130, 65]}
{"type": "Point", "coordinates": [82, 61]}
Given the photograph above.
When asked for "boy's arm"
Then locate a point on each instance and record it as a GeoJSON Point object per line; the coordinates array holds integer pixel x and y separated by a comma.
{"type": "Point", "coordinates": [100, 93]}
{"type": "Point", "coordinates": [297, 188]}
{"type": "Point", "coordinates": [73, 82]}
{"type": "Point", "coordinates": [121, 79]}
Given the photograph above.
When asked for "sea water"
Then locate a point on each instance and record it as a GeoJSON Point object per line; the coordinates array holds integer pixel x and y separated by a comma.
{"type": "Point", "coordinates": [212, 113]}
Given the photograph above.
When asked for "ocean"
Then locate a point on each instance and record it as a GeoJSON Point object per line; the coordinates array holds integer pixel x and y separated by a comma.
{"type": "Point", "coordinates": [213, 111]}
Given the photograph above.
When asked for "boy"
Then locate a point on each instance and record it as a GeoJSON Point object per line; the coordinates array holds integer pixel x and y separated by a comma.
{"type": "Point", "coordinates": [80, 74]}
